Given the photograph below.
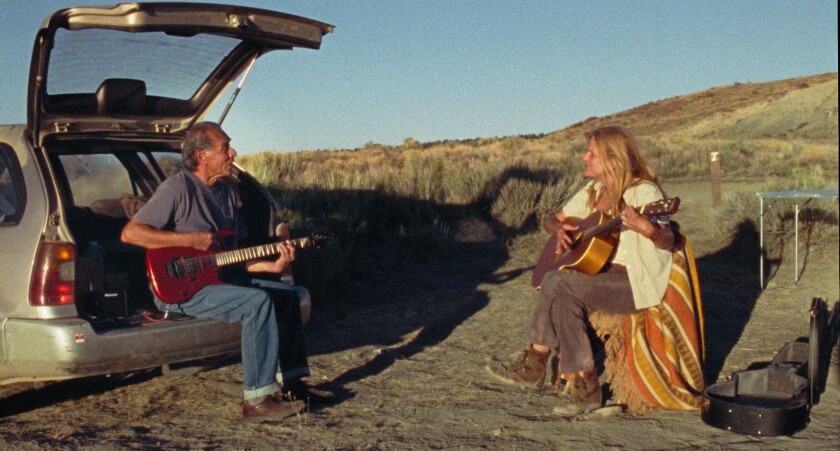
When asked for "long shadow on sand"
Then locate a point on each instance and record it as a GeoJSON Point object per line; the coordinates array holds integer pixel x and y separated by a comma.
{"type": "Point", "coordinates": [400, 288]}
{"type": "Point", "coordinates": [436, 296]}
{"type": "Point", "coordinates": [729, 285]}
{"type": "Point", "coordinates": [404, 267]}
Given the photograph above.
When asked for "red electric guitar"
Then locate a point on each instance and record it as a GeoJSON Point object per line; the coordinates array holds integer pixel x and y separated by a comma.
{"type": "Point", "coordinates": [593, 243]}
{"type": "Point", "coordinates": [177, 273]}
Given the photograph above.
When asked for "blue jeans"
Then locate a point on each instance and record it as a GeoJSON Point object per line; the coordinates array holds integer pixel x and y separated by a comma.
{"type": "Point", "coordinates": [273, 347]}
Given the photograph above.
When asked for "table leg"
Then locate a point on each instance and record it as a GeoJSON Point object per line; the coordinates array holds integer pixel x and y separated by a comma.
{"type": "Point", "coordinates": [796, 243]}
{"type": "Point", "coordinates": [761, 242]}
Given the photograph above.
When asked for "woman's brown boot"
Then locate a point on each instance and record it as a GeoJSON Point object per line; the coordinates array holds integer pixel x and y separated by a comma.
{"type": "Point", "coordinates": [583, 392]}
{"type": "Point", "coordinates": [559, 381]}
{"type": "Point", "coordinates": [529, 371]}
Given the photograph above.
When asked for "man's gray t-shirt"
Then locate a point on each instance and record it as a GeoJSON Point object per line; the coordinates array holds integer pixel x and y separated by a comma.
{"type": "Point", "coordinates": [183, 203]}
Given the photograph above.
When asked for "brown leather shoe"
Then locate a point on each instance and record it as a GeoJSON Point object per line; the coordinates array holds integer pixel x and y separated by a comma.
{"type": "Point", "coordinates": [528, 372]}
{"type": "Point", "coordinates": [583, 392]}
{"type": "Point", "coordinates": [270, 409]}
{"type": "Point", "coordinates": [586, 388]}
{"type": "Point", "coordinates": [297, 389]}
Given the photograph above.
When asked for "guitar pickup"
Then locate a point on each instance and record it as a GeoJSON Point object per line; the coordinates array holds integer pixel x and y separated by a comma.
{"type": "Point", "coordinates": [206, 263]}
{"type": "Point", "coordinates": [180, 267]}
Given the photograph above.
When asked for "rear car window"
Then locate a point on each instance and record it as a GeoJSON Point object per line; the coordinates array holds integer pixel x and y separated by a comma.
{"type": "Point", "coordinates": [95, 176]}
{"type": "Point", "coordinates": [12, 188]}
{"type": "Point", "coordinates": [171, 66]}
{"type": "Point", "coordinates": [170, 163]}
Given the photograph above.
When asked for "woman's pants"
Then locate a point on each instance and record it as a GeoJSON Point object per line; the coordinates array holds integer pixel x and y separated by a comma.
{"type": "Point", "coordinates": [565, 300]}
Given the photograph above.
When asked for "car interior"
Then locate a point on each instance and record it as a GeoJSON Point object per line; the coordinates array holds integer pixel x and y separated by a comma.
{"type": "Point", "coordinates": [104, 183]}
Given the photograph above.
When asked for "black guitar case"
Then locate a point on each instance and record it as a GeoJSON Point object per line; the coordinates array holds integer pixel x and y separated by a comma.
{"type": "Point", "coordinates": [776, 398]}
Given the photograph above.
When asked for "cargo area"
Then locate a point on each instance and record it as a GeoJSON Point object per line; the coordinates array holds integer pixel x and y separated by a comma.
{"type": "Point", "coordinates": [102, 185]}
{"type": "Point", "coordinates": [111, 283]}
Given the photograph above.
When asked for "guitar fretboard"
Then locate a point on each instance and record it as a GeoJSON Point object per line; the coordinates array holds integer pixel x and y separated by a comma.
{"type": "Point", "coordinates": [652, 210]}
{"type": "Point", "coordinates": [250, 253]}
{"type": "Point", "coordinates": [190, 265]}
{"type": "Point", "coordinates": [600, 229]}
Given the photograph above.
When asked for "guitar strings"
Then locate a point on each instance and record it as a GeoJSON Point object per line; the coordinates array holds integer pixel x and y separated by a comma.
{"type": "Point", "coordinates": [234, 256]}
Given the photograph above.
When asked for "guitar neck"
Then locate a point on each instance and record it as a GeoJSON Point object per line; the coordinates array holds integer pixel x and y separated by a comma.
{"type": "Point", "coordinates": [250, 253]}
{"type": "Point", "coordinates": [613, 223]}
{"type": "Point", "coordinates": [600, 229]}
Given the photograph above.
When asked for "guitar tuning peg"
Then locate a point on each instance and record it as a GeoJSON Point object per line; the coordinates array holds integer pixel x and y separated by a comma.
{"type": "Point", "coordinates": [282, 231]}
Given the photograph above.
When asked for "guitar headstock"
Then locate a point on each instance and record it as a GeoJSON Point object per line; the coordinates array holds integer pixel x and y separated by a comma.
{"type": "Point", "coordinates": [661, 207]}
{"type": "Point", "coordinates": [314, 240]}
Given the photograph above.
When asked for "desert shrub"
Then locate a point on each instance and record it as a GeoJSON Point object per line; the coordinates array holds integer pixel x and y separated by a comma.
{"type": "Point", "coordinates": [516, 203]}
{"type": "Point", "coordinates": [735, 209]}
{"type": "Point", "coordinates": [513, 143]}
{"type": "Point", "coordinates": [411, 144]}
{"type": "Point", "coordinates": [523, 203]}
{"type": "Point", "coordinates": [818, 155]}
{"type": "Point", "coordinates": [670, 159]}
{"type": "Point", "coordinates": [269, 167]}
{"type": "Point", "coordinates": [424, 177]}
{"type": "Point", "coordinates": [690, 158]}
{"type": "Point", "coordinates": [555, 195]}
{"type": "Point", "coordinates": [484, 142]}
{"type": "Point", "coordinates": [463, 185]}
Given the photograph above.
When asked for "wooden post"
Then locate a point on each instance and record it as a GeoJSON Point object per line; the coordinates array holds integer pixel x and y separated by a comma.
{"type": "Point", "coordinates": [715, 160]}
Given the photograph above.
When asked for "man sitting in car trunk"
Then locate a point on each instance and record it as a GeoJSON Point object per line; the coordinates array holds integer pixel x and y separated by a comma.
{"type": "Point", "coordinates": [187, 210]}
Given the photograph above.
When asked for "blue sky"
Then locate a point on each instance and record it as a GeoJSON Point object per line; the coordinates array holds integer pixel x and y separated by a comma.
{"type": "Point", "coordinates": [457, 69]}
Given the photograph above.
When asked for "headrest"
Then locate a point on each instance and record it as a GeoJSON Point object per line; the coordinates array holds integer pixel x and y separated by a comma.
{"type": "Point", "coordinates": [121, 96]}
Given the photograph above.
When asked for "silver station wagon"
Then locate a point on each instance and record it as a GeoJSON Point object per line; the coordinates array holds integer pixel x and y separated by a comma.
{"type": "Point", "coordinates": [111, 93]}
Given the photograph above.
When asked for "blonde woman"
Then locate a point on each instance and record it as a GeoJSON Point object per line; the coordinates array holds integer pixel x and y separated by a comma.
{"type": "Point", "coordinates": [634, 278]}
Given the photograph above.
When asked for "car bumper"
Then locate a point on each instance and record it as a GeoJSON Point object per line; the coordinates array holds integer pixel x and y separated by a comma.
{"type": "Point", "coordinates": [68, 348]}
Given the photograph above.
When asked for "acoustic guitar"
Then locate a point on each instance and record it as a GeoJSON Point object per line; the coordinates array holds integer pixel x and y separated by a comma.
{"type": "Point", "coordinates": [177, 273]}
{"type": "Point", "coordinates": [594, 241]}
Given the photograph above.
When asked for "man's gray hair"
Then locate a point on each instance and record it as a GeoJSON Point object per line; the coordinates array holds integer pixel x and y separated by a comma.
{"type": "Point", "coordinates": [198, 137]}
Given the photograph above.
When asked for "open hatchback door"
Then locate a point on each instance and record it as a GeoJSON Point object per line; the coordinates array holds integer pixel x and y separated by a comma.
{"type": "Point", "coordinates": [136, 69]}
{"type": "Point", "coordinates": [112, 93]}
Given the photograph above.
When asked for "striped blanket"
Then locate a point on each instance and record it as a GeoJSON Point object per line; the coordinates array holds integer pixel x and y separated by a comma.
{"type": "Point", "coordinates": [662, 348]}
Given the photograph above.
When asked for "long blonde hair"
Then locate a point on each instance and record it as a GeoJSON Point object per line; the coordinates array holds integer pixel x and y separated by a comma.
{"type": "Point", "coordinates": [623, 163]}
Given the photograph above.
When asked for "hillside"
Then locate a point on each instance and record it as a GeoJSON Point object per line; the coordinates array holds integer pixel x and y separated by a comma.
{"type": "Point", "coordinates": [803, 108]}
{"type": "Point", "coordinates": [781, 134]}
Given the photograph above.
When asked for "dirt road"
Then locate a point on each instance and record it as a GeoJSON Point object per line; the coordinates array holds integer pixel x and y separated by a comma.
{"type": "Point", "coordinates": [407, 361]}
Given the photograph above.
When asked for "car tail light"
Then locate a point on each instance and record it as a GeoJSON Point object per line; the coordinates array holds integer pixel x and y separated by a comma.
{"type": "Point", "coordinates": [54, 276]}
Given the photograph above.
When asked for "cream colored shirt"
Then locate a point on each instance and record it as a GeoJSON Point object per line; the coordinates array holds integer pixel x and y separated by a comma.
{"type": "Point", "coordinates": [648, 267]}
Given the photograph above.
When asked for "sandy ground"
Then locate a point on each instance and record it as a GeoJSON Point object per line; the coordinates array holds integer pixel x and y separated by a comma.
{"type": "Point", "coordinates": [407, 362]}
